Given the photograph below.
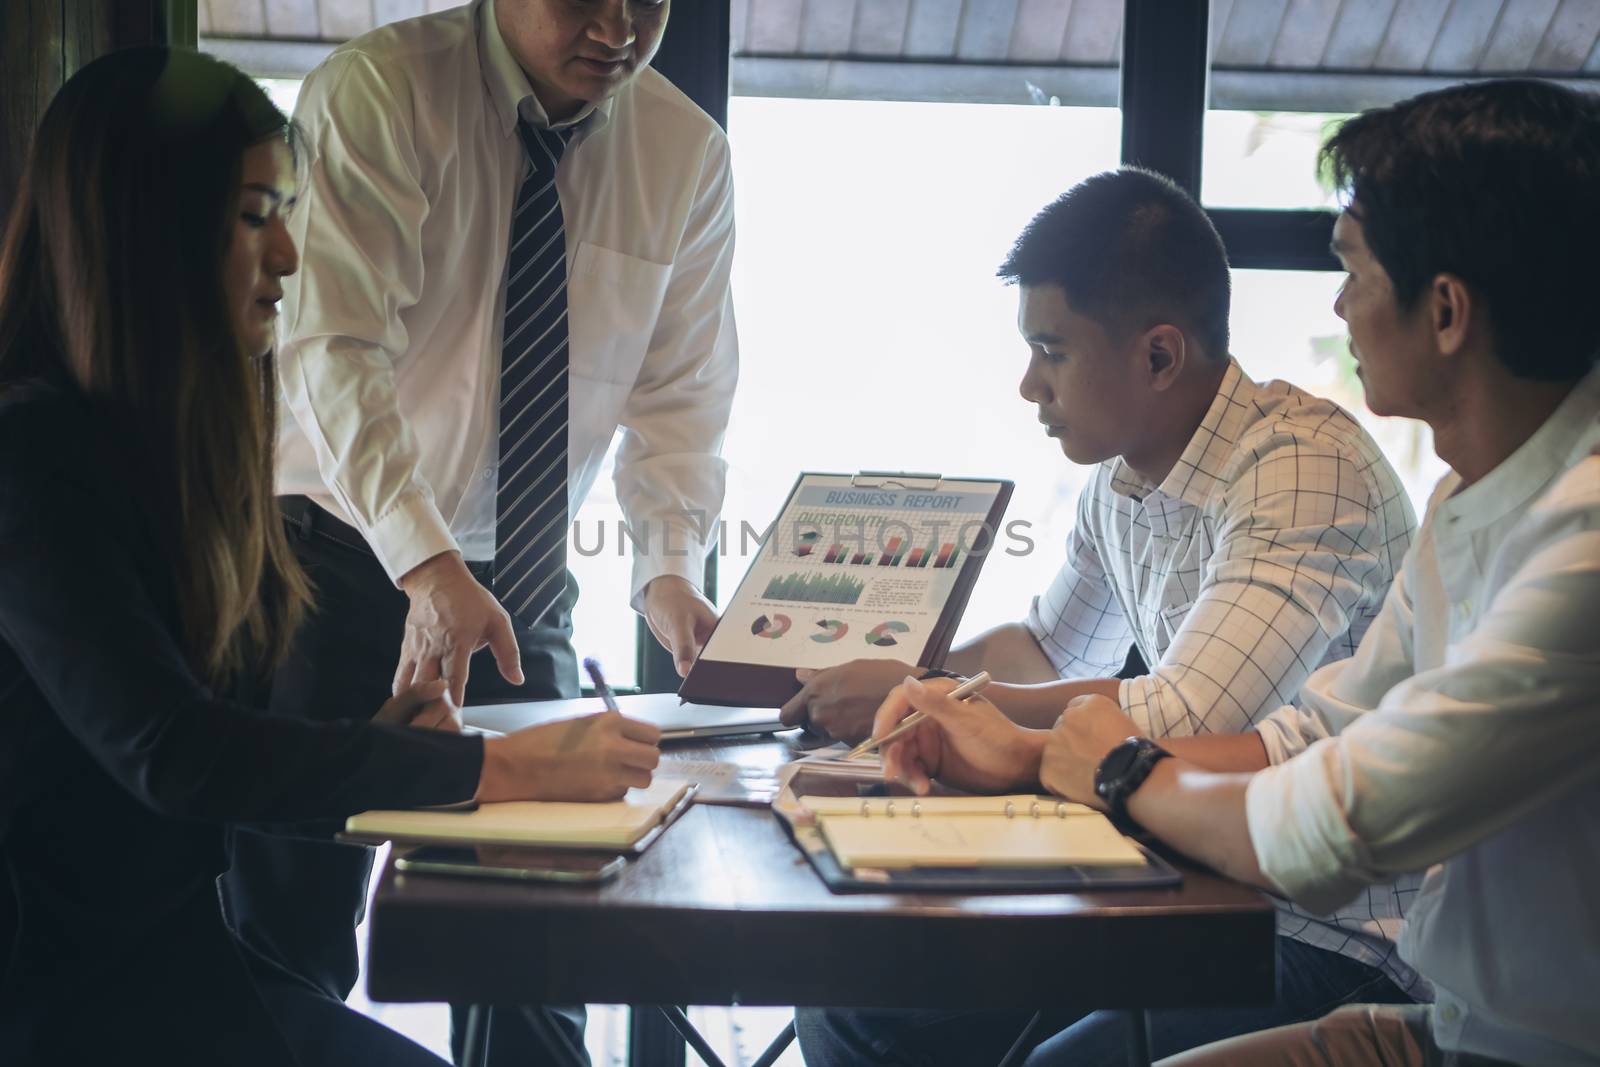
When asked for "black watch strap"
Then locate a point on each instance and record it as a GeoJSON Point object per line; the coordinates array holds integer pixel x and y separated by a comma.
{"type": "Point", "coordinates": [940, 672]}
{"type": "Point", "coordinates": [1121, 773]}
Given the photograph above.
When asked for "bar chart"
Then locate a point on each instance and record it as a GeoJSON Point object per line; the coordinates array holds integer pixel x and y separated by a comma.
{"type": "Point", "coordinates": [815, 588]}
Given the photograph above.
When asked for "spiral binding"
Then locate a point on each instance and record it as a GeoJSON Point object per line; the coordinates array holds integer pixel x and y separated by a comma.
{"type": "Point", "coordinates": [1034, 810]}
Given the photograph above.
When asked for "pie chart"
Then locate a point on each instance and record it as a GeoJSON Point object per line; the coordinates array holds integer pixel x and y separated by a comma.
{"type": "Point", "coordinates": [772, 628]}
{"type": "Point", "coordinates": [832, 630]}
{"type": "Point", "coordinates": [883, 633]}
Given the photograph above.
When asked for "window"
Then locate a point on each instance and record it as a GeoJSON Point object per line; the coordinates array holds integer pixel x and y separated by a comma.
{"type": "Point", "coordinates": [1283, 74]}
{"type": "Point", "coordinates": [1283, 326]}
{"type": "Point", "coordinates": [875, 334]}
{"type": "Point", "coordinates": [1265, 159]}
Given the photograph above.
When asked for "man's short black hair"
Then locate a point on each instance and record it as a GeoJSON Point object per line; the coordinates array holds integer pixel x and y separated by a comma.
{"type": "Point", "coordinates": [1498, 183]}
{"type": "Point", "coordinates": [1131, 250]}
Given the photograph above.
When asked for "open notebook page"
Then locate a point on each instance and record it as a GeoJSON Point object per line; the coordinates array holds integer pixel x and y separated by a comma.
{"type": "Point", "coordinates": [1024, 804]}
{"type": "Point", "coordinates": [976, 840]}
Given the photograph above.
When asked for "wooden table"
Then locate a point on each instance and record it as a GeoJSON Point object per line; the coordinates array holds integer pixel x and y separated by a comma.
{"type": "Point", "coordinates": [723, 909]}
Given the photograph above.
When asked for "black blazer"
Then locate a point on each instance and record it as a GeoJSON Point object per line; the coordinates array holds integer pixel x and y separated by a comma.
{"type": "Point", "coordinates": [119, 769]}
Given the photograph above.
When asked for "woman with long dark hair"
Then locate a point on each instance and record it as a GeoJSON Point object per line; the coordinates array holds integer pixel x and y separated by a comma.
{"type": "Point", "coordinates": [144, 578]}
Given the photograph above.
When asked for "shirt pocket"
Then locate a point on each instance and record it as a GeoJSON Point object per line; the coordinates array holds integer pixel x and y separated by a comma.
{"type": "Point", "coordinates": [614, 300]}
{"type": "Point", "coordinates": [1172, 618]}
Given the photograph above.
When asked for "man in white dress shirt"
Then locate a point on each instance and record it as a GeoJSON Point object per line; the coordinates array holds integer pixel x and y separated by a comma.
{"type": "Point", "coordinates": [1237, 534]}
{"type": "Point", "coordinates": [1464, 735]}
{"type": "Point", "coordinates": [515, 239]}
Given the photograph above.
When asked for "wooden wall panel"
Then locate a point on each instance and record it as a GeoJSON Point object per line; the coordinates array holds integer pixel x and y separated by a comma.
{"type": "Point", "coordinates": [238, 18]}
{"type": "Point", "coordinates": [1517, 35]}
{"type": "Point", "coordinates": [1357, 34]}
{"type": "Point", "coordinates": [1094, 32]}
{"type": "Point", "coordinates": [300, 19]}
{"type": "Point", "coordinates": [1251, 31]}
{"type": "Point", "coordinates": [1464, 35]}
{"type": "Point", "coordinates": [387, 11]}
{"type": "Point", "coordinates": [1304, 33]}
{"type": "Point", "coordinates": [932, 29]}
{"type": "Point", "coordinates": [1412, 31]}
{"type": "Point", "coordinates": [985, 34]}
{"type": "Point", "coordinates": [1570, 37]}
{"type": "Point", "coordinates": [1040, 32]}
{"type": "Point", "coordinates": [825, 26]}
{"type": "Point", "coordinates": [774, 27]}
{"type": "Point", "coordinates": [342, 21]}
{"type": "Point", "coordinates": [880, 28]}
{"type": "Point", "coordinates": [1221, 12]}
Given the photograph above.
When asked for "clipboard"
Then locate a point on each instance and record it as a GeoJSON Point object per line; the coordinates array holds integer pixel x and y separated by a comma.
{"type": "Point", "coordinates": [838, 576]}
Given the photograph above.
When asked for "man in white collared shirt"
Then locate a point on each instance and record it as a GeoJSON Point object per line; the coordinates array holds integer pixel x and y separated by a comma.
{"type": "Point", "coordinates": [425, 141]}
{"type": "Point", "coordinates": [1464, 736]}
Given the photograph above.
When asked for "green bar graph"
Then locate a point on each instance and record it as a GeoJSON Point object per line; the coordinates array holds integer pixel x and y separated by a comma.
{"type": "Point", "coordinates": [833, 588]}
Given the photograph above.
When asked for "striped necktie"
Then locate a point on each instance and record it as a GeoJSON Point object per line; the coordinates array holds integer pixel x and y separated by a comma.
{"type": "Point", "coordinates": [530, 557]}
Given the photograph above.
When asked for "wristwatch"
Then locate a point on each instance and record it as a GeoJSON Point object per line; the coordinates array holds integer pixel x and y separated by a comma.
{"type": "Point", "coordinates": [1122, 771]}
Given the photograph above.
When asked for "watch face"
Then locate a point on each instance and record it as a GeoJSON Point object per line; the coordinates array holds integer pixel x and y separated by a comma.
{"type": "Point", "coordinates": [1118, 760]}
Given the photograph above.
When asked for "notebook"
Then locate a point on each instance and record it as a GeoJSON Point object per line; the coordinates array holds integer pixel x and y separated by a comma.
{"type": "Point", "coordinates": [626, 825]}
{"type": "Point", "coordinates": [1020, 831]}
{"type": "Point", "coordinates": [860, 840]}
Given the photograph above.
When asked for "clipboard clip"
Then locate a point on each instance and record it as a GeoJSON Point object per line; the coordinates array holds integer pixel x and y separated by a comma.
{"type": "Point", "coordinates": [896, 479]}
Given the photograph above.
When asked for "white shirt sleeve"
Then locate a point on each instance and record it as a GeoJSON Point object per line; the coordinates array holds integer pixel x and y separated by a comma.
{"type": "Point", "coordinates": [1078, 622]}
{"type": "Point", "coordinates": [1456, 753]}
{"type": "Point", "coordinates": [669, 476]}
{"type": "Point", "coordinates": [1298, 552]}
{"type": "Point", "coordinates": [357, 226]}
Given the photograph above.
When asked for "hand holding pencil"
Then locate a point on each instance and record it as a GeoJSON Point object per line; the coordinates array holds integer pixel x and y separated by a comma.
{"type": "Point", "coordinates": [968, 744]}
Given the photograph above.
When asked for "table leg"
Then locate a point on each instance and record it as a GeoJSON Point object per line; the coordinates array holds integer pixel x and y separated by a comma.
{"type": "Point", "coordinates": [652, 1041]}
{"type": "Point", "coordinates": [1138, 1037]}
{"type": "Point", "coordinates": [475, 1042]}
{"type": "Point", "coordinates": [680, 1022]}
{"type": "Point", "coordinates": [776, 1049]}
{"type": "Point", "coordinates": [1020, 1047]}
{"type": "Point", "coordinates": [550, 1035]}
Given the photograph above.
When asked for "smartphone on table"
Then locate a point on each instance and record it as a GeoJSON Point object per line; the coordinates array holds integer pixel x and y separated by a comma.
{"type": "Point", "coordinates": [514, 864]}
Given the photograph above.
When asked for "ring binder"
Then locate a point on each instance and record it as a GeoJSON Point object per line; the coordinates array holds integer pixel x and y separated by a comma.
{"type": "Point", "coordinates": [1060, 809]}
{"type": "Point", "coordinates": [957, 843]}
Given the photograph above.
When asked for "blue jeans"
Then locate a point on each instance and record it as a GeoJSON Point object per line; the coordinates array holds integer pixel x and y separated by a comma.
{"type": "Point", "coordinates": [1311, 983]}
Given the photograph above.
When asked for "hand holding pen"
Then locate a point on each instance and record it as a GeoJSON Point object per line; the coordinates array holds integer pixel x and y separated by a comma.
{"type": "Point", "coordinates": [591, 757]}
{"type": "Point", "coordinates": [971, 687]}
{"type": "Point", "coordinates": [965, 743]}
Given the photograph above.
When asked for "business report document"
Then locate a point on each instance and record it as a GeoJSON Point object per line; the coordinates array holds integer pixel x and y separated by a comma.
{"type": "Point", "coordinates": [861, 566]}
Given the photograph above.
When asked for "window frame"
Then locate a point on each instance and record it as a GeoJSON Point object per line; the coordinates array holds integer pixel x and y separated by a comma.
{"type": "Point", "coordinates": [1165, 81]}
{"type": "Point", "coordinates": [1166, 70]}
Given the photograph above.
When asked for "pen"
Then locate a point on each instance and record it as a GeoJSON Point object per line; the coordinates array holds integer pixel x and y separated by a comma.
{"type": "Point", "coordinates": [601, 689]}
{"type": "Point", "coordinates": [971, 687]}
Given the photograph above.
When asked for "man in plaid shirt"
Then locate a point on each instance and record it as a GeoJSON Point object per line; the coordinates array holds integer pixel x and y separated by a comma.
{"type": "Point", "coordinates": [1237, 535]}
